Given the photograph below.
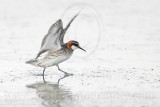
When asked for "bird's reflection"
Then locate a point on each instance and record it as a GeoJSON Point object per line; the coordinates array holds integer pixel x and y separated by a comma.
{"type": "Point", "coordinates": [53, 95]}
{"type": "Point", "coordinates": [62, 78]}
{"type": "Point", "coordinates": [67, 75]}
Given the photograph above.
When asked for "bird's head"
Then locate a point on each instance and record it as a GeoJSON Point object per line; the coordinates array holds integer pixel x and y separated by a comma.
{"type": "Point", "coordinates": [72, 45]}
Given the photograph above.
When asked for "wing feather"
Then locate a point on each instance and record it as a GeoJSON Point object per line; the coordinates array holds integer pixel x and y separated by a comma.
{"type": "Point", "coordinates": [49, 41]}
{"type": "Point", "coordinates": [52, 33]}
{"type": "Point", "coordinates": [66, 28]}
{"type": "Point", "coordinates": [54, 38]}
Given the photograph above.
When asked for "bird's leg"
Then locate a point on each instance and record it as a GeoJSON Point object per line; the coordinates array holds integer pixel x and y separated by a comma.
{"type": "Point", "coordinates": [43, 74]}
{"type": "Point", "coordinates": [61, 70]}
{"type": "Point", "coordinates": [65, 73]}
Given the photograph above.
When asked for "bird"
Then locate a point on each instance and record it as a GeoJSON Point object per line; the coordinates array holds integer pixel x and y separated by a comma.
{"type": "Point", "coordinates": [53, 50]}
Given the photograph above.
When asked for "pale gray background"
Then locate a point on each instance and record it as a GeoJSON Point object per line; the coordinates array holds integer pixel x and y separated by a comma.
{"type": "Point", "coordinates": [123, 71]}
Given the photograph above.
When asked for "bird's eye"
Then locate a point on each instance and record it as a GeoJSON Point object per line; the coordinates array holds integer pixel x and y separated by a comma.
{"type": "Point", "coordinates": [76, 44]}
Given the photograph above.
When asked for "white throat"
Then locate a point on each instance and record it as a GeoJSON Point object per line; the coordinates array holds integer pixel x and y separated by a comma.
{"type": "Point", "coordinates": [73, 47]}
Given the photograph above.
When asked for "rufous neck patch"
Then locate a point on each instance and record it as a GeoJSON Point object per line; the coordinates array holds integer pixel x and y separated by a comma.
{"type": "Point", "coordinates": [69, 44]}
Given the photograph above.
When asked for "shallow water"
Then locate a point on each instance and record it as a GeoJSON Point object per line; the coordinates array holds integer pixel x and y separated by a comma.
{"type": "Point", "coordinates": [121, 66]}
{"type": "Point", "coordinates": [56, 95]}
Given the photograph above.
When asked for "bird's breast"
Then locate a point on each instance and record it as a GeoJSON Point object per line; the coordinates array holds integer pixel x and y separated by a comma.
{"type": "Point", "coordinates": [54, 58]}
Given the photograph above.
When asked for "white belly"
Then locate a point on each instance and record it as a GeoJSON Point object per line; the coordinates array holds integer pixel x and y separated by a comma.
{"type": "Point", "coordinates": [51, 60]}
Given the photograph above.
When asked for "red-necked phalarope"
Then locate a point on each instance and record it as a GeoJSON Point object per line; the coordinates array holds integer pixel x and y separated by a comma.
{"type": "Point", "coordinates": [53, 50]}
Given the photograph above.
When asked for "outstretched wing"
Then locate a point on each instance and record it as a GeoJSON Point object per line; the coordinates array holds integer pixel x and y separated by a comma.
{"type": "Point", "coordinates": [54, 39]}
{"type": "Point", "coordinates": [50, 41]}
{"type": "Point", "coordinates": [54, 31]}
{"type": "Point", "coordinates": [66, 28]}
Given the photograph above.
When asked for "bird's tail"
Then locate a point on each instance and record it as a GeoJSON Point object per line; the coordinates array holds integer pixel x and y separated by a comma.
{"type": "Point", "coordinates": [32, 62]}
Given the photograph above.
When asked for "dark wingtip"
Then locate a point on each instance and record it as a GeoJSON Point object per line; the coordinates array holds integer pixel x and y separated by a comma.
{"type": "Point", "coordinates": [78, 12]}
{"type": "Point", "coordinates": [71, 21]}
{"type": "Point", "coordinates": [59, 20]}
